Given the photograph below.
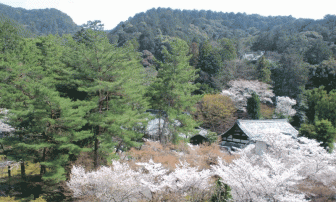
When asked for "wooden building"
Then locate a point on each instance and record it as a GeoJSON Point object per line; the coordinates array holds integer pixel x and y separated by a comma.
{"type": "Point", "coordinates": [245, 132]}
{"type": "Point", "coordinates": [201, 137]}
{"type": "Point", "coordinates": [198, 139]}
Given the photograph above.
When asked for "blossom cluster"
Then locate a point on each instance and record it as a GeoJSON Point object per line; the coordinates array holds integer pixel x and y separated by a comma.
{"type": "Point", "coordinates": [121, 183]}
{"type": "Point", "coordinates": [107, 184]}
{"type": "Point", "coordinates": [286, 162]}
{"type": "Point", "coordinates": [271, 176]}
{"type": "Point", "coordinates": [241, 90]}
{"type": "Point", "coordinates": [284, 106]}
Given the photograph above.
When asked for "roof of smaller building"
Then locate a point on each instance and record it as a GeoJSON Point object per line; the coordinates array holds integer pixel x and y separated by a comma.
{"type": "Point", "coordinates": [255, 129]}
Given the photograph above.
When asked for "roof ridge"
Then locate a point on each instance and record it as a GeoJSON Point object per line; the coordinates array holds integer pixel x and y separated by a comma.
{"type": "Point", "coordinates": [265, 120]}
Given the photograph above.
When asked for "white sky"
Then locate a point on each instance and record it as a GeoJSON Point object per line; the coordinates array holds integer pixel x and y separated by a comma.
{"type": "Point", "coordinates": [111, 12]}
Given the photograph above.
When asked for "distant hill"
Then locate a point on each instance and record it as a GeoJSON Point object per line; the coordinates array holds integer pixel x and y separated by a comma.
{"type": "Point", "coordinates": [260, 33]}
{"type": "Point", "coordinates": [41, 21]}
{"type": "Point", "coordinates": [189, 24]}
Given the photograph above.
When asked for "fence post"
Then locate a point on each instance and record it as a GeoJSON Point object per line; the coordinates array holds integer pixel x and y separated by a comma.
{"type": "Point", "coordinates": [9, 176]}
{"type": "Point", "coordinates": [9, 171]}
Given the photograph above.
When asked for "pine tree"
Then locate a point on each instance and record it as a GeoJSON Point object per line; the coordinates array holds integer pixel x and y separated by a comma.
{"type": "Point", "coordinates": [113, 80]}
{"type": "Point", "coordinates": [253, 106]}
{"type": "Point", "coordinates": [46, 124]}
{"type": "Point", "coordinates": [227, 50]}
{"type": "Point", "coordinates": [18, 54]}
{"type": "Point", "coordinates": [10, 35]}
{"type": "Point", "coordinates": [194, 51]}
{"type": "Point", "coordinates": [264, 72]}
{"type": "Point", "coordinates": [290, 76]}
{"type": "Point", "coordinates": [171, 91]}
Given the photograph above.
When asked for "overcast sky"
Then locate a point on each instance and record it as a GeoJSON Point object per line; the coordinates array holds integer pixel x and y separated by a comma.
{"type": "Point", "coordinates": [111, 12]}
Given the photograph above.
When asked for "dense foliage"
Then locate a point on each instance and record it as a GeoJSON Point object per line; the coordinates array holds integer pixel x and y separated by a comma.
{"type": "Point", "coordinates": [171, 91]}
{"type": "Point", "coordinates": [253, 106]}
{"type": "Point", "coordinates": [66, 97]}
{"type": "Point", "coordinates": [189, 24]}
{"type": "Point", "coordinates": [41, 21]}
{"type": "Point", "coordinates": [216, 112]}
{"type": "Point", "coordinates": [75, 99]}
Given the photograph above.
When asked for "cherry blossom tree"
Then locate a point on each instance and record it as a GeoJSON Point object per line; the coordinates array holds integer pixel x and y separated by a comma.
{"type": "Point", "coordinates": [284, 106]}
{"type": "Point", "coordinates": [272, 175]}
{"type": "Point", "coordinates": [182, 180]}
{"type": "Point", "coordinates": [119, 183]}
{"type": "Point", "coordinates": [241, 90]}
{"type": "Point", "coordinates": [275, 174]}
{"type": "Point", "coordinates": [250, 181]}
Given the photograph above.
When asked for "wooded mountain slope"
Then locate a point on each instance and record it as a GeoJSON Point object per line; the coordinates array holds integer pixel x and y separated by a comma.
{"type": "Point", "coordinates": [41, 21]}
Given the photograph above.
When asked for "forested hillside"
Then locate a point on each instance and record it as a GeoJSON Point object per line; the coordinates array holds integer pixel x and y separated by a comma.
{"type": "Point", "coordinates": [83, 97]}
{"type": "Point", "coordinates": [204, 25]}
{"type": "Point", "coordinates": [216, 39]}
{"type": "Point", "coordinates": [192, 25]}
{"type": "Point", "coordinates": [41, 21]}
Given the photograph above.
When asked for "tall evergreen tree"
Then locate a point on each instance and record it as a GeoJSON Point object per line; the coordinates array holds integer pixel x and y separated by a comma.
{"type": "Point", "coordinates": [318, 52]}
{"type": "Point", "coordinates": [227, 50]}
{"type": "Point", "coordinates": [264, 72]}
{"type": "Point", "coordinates": [171, 91]}
{"type": "Point", "coordinates": [113, 79]}
{"type": "Point", "coordinates": [10, 44]}
{"type": "Point", "coordinates": [289, 76]}
{"type": "Point", "coordinates": [253, 106]}
{"type": "Point", "coordinates": [209, 64]}
{"type": "Point", "coordinates": [209, 59]}
{"type": "Point", "coordinates": [323, 74]}
{"type": "Point", "coordinates": [10, 35]}
{"type": "Point", "coordinates": [194, 51]}
{"type": "Point", "coordinates": [46, 124]}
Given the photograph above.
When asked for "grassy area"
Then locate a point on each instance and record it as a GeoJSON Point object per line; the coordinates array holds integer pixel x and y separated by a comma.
{"type": "Point", "coordinates": [31, 169]}
{"type": "Point", "coordinates": [10, 199]}
{"type": "Point", "coordinates": [31, 188]}
{"type": "Point", "coordinates": [17, 189]}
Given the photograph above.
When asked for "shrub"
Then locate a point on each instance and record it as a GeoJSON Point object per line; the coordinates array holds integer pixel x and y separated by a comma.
{"type": "Point", "coordinates": [222, 192]}
{"type": "Point", "coordinates": [216, 112]}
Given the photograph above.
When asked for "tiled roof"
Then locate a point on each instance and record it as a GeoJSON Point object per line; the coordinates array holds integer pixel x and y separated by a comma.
{"type": "Point", "coordinates": [255, 129]}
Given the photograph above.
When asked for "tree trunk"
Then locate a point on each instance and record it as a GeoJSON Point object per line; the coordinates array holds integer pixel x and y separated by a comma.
{"type": "Point", "coordinates": [96, 146]}
{"type": "Point", "coordinates": [160, 134]}
{"type": "Point", "coordinates": [23, 170]}
{"type": "Point", "coordinates": [9, 179]}
{"type": "Point", "coordinates": [98, 133]}
{"type": "Point", "coordinates": [43, 168]}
